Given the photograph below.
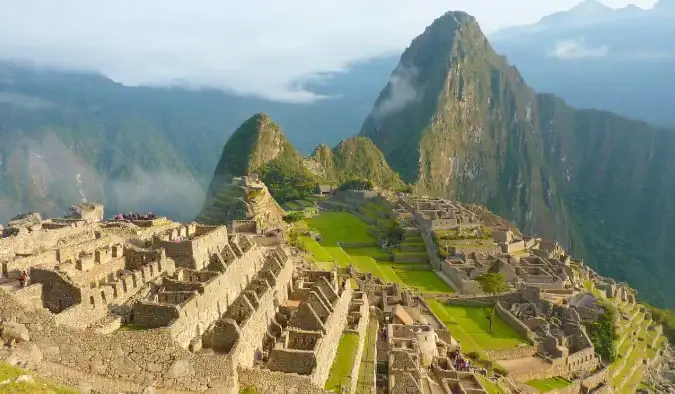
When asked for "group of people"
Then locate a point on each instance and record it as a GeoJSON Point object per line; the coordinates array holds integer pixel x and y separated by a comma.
{"type": "Point", "coordinates": [459, 362]}
{"type": "Point", "coordinates": [135, 216]}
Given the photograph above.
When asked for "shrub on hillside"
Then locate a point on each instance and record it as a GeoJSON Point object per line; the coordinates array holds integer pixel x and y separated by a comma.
{"type": "Point", "coordinates": [357, 184]}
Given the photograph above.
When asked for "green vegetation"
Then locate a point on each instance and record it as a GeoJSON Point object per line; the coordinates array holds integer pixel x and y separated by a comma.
{"type": "Point", "coordinates": [346, 227]}
{"type": "Point", "coordinates": [248, 390]}
{"type": "Point", "coordinates": [355, 163]}
{"type": "Point", "coordinates": [8, 372]}
{"type": "Point", "coordinates": [666, 318]}
{"type": "Point", "coordinates": [357, 184]}
{"type": "Point", "coordinates": [343, 363]}
{"type": "Point", "coordinates": [471, 327]}
{"type": "Point", "coordinates": [603, 333]}
{"type": "Point", "coordinates": [492, 284]}
{"type": "Point", "coordinates": [293, 217]}
{"type": "Point", "coordinates": [550, 384]}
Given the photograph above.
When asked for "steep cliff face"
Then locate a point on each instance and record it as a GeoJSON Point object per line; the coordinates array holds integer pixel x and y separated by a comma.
{"type": "Point", "coordinates": [353, 158]}
{"type": "Point", "coordinates": [460, 122]}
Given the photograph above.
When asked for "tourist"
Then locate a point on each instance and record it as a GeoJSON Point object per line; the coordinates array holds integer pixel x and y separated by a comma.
{"type": "Point", "coordinates": [22, 279]}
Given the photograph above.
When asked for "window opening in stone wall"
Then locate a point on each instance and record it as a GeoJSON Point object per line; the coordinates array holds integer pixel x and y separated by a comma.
{"type": "Point", "coordinates": [103, 297]}
{"type": "Point", "coordinates": [91, 302]}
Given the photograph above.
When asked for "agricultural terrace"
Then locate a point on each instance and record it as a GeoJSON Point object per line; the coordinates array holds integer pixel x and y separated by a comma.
{"type": "Point", "coordinates": [346, 228]}
{"type": "Point", "coordinates": [627, 370]}
{"type": "Point", "coordinates": [471, 327]}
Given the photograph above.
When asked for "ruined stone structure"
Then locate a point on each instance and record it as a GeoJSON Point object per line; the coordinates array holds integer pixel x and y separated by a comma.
{"type": "Point", "coordinates": [236, 301]}
{"type": "Point", "coordinates": [560, 336]}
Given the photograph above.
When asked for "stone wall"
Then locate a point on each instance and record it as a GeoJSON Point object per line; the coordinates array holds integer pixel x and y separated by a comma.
{"type": "Point", "coordinates": [36, 241]}
{"type": "Point", "coordinates": [252, 331]}
{"type": "Point", "coordinates": [95, 303]}
{"type": "Point", "coordinates": [515, 323]}
{"type": "Point", "coordinates": [362, 331]}
{"type": "Point", "coordinates": [30, 296]}
{"type": "Point", "coordinates": [219, 293]}
{"type": "Point", "coordinates": [129, 357]}
{"type": "Point", "coordinates": [195, 251]}
{"type": "Point", "coordinates": [512, 354]}
{"type": "Point", "coordinates": [266, 381]}
{"type": "Point", "coordinates": [463, 286]}
{"type": "Point", "coordinates": [14, 267]}
{"type": "Point", "coordinates": [327, 348]}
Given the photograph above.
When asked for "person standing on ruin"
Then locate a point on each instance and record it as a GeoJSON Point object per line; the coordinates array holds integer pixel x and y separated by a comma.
{"type": "Point", "coordinates": [22, 279]}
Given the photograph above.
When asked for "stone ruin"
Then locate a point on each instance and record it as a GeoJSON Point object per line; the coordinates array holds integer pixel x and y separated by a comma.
{"type": "Point", "coordinates": [559, 332]}
{"type": "Point", "coordinates": [180, 307]}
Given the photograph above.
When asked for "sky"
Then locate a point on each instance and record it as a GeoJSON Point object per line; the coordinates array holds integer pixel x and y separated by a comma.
{"type": "Point", "coordinates": [253, 47]}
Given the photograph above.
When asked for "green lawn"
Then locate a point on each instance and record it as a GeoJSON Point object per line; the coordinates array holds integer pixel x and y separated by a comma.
{"type": "Point", "coordinates": [343, 363]}
{"type": "Point", "coordinates": [546, 385]}
{"type": "Point", "coordinates": [344, 226]}
{"type": "Point", "coordinates": [38, 385]}
{"type": "Point", "coordinates": [315, 249]}
{"type": "Point", "coordinates": [340, 226]}
{"type": "Point", "coordinates": [472, 329]}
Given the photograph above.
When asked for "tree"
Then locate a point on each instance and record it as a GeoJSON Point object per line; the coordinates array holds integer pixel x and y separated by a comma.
{"type": "Point", "coordinates": [292, 238]}
{"type": "Point", "coordinates": [493, 283]}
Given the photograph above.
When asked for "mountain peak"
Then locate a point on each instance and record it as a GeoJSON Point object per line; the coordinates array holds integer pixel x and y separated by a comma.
{"type": "Point", "coordinates": [590, 6]}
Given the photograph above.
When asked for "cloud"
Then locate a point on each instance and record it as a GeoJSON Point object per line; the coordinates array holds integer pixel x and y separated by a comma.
{"type": "Point", "coordinates": [254, 47]}
{"type": "Point", "coordinates": [47, 176]}
{"type": "Point", "coordinates": [574, 49]}
{"type": "Point", "coordinates": [165, 192]}
{"type": "Point", "coordinates": [401, 92]}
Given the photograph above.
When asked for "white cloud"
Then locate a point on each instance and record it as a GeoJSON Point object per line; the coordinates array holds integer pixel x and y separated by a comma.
{"type": "Point", "coordinates": [573, 49]}
{"type": "Point", "coordinates": [402, 92]}
{"type": "Point", "coordinates": [254, 47]}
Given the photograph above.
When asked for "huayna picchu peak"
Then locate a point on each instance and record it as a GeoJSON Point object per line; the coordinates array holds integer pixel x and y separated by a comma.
{"type": "Point", "coordinates": [458, 121]}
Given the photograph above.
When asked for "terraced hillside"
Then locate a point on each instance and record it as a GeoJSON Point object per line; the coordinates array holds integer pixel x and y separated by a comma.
{"type": "Point", "coordinates": [350, 238]}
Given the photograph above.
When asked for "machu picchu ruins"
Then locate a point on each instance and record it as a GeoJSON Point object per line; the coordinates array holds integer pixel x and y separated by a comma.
{"type": "Point", "coordinates": [387, 298]}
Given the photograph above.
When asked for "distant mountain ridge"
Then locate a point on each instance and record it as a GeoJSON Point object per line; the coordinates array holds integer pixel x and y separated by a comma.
{"type": "Point", "coordinates": [595, 56]}
{"type": "Point", "coordinates": [142, 148]}
{"type": "Point", "coordinates": [468, 127]}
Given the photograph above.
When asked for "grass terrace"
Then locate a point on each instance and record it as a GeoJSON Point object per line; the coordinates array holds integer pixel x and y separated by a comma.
{"type": "Point", "coordinates": [550, 384]}
{"type": "Point", "coordinates": [337, 227]}
{"type": "Point", "coordinates": [343, 363]}
{"type": "Point", "coordinates": [472, 329]}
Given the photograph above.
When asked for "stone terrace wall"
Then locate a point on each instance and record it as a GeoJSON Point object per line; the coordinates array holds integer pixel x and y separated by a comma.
{"type": "Point", "coordinates": [30, 296]}
{"type": "Point", "coordinates": [251, 334]}
{"type": "Point", "coordinates": [362, 331]}
{"type": "Point", "coordinates": [515, 323]}
{"type": "Point", "coordinates": [195, 252]}
{"type": "Point", "coordinates": [31, 242]}
{"type": "Point", "coordinates": [142, 357]}
{"type": "Point", "coordinates": [203, 309]}
{"type": "Point", "coordinates": [95, 303]}
{"type": "Point", "coordinates": [327, 347]}
{"type": "Point", "coordinates": [14, 267]}
{"type": "Point", "coordinates": [266, 381]}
